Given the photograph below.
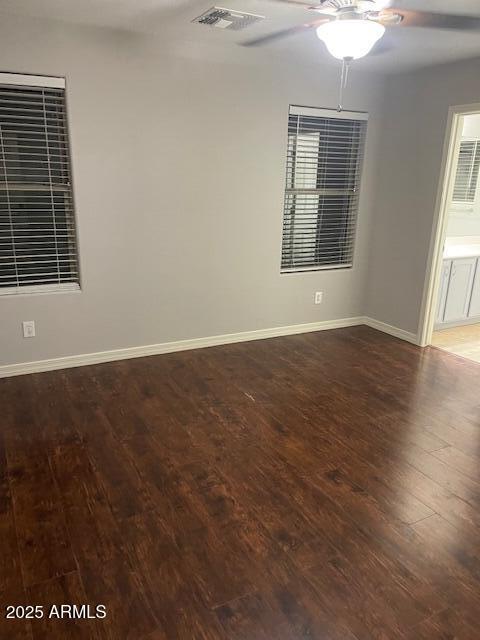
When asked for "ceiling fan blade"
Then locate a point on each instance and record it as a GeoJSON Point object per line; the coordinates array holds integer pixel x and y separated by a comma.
{"type": "Point", "coordinates": [428, 19]}
{"type": "Point", "coordinates": [284, 33]}
{"type": "Point", "coordinates": [382, 46]}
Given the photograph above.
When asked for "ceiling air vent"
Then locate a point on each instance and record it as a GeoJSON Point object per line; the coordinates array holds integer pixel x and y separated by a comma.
{"type": "Point", "coordinates": [227, 19]}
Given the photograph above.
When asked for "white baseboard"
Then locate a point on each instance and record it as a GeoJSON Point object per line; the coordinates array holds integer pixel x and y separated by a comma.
{"type": "Point", "coordinates": [198, 343]}
{"type": "Point", "coordinates": [169, 347]}
{"type": "Point", "coordinates": [391, 330]}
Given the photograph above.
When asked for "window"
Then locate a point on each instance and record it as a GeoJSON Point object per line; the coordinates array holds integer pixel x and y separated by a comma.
{"type": "Point", "coordinates": [324, 157]}
{"type": "Point", "coordinates": [37, 227]}
{"type": "Point", "coordinates": [466, 179]}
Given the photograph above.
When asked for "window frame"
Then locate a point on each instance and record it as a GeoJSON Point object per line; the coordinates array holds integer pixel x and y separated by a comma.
{"type": "Point", "coordinates": [55, 82]}
{"type": "Point", "coordinates": [322, 112]}
{"type": "Point", "coordinates": [462, 208]}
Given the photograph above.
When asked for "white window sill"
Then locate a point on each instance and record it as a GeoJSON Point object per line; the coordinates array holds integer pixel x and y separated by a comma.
{"type": "Point", "coordinates": [329, 267]}
{"type": "Point", "coordinates": [459, 208]}
{"type": "Point", "coordinates": [40, 289]}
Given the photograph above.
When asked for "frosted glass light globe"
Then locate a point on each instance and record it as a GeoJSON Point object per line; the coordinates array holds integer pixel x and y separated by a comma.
{"type": "Point", "coordinates": [350, 38]}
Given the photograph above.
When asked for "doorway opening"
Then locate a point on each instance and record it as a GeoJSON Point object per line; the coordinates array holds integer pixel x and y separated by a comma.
{"type": "Point", "coordinates": [451, 318]}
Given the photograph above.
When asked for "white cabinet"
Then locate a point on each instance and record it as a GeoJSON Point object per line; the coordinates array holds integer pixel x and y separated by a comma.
{"type": "Point", "coordinates": [474, 309]}
{"type": "Point", "coordinates": [459, 289]}
{"type": "Point", "coordinates": [459, 292]}
{"type": "Point", "coordinates": [443, 288]}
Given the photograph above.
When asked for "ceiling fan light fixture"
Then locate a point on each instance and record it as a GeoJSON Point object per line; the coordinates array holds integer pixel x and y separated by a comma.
{"type": "Point", "coordinates": [350, 38]}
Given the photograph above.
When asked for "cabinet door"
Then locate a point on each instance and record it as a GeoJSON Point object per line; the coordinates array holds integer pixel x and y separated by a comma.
{"type": "Point", "coordinates": [475, 299]}
{"type": "Point", "coordinates": [459, 289]}
{"type": "Point", "coordinates": [442, 290]}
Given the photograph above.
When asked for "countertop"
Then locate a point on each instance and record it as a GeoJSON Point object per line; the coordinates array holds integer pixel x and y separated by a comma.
{"type": "Point", "coordinates": [461, 251]}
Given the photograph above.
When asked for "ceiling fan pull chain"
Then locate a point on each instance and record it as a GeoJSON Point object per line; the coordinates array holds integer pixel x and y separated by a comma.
{"type": "Point", "coordinates": [343, 81]}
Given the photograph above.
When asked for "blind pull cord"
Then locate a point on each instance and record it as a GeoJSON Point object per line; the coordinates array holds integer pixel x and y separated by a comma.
{"type": "Point", "coordinates": [343, 81]}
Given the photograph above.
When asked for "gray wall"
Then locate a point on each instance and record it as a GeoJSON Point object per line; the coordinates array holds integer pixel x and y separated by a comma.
{"type": "Point", "coordinates": [179, 173]}
{"type": "Point", "coordinates": [413, 131]}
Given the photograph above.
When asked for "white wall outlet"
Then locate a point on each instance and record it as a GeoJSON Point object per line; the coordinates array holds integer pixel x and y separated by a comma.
{"type": "Point", "coordinates": [28, 328]}
{"type": "Point", "coordinates": [318, 297]}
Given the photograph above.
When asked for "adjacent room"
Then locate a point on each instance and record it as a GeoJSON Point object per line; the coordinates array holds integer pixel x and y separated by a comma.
{"type": "Point", "coordinates": [457, 326]}
{"type": "Point", "coordinates": [239, 320]}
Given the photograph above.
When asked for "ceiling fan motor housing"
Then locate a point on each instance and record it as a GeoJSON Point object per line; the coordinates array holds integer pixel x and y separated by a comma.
{"type": "Point", "coordinates": [342, 5]}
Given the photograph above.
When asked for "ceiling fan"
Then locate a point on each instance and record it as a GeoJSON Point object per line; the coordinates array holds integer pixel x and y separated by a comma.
{"type": "Point", "coordinates": [350, 28]}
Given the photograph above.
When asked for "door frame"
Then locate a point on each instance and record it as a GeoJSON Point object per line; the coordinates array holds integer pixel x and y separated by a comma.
{"type": "Point", "coordinates": [439, 229]}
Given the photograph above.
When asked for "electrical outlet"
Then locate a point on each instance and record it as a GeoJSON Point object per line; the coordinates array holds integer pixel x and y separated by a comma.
{"type": "Point", "coordinates": [318, 297]}
{"type": "Point", "coordinates": [28, 328]}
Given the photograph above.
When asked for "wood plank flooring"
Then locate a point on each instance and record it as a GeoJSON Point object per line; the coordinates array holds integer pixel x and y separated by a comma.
{"type": "Point", "coordinates": [322, 486]}
{"type": "Point", "coordinates": [462, 341]}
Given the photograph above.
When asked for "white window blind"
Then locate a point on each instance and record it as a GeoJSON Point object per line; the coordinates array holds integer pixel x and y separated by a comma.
{"type": "Point", "coordinates": [468, 167]}
{"type": "Point", "coordinates": [324, 158]}
{"type": "Point", "coordinates": [37, 225]}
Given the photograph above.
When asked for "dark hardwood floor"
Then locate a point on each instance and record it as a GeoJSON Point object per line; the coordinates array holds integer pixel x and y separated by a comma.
{"type": "Point", "coordinates": [322, 486]}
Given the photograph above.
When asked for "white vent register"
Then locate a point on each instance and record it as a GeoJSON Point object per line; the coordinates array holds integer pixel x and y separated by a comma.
{"type": "Point", "coordinates": [227, 19]}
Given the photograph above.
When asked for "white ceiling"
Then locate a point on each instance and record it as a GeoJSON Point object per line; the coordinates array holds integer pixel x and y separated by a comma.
{"type": "Point", "coordinates": [171, 20]}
